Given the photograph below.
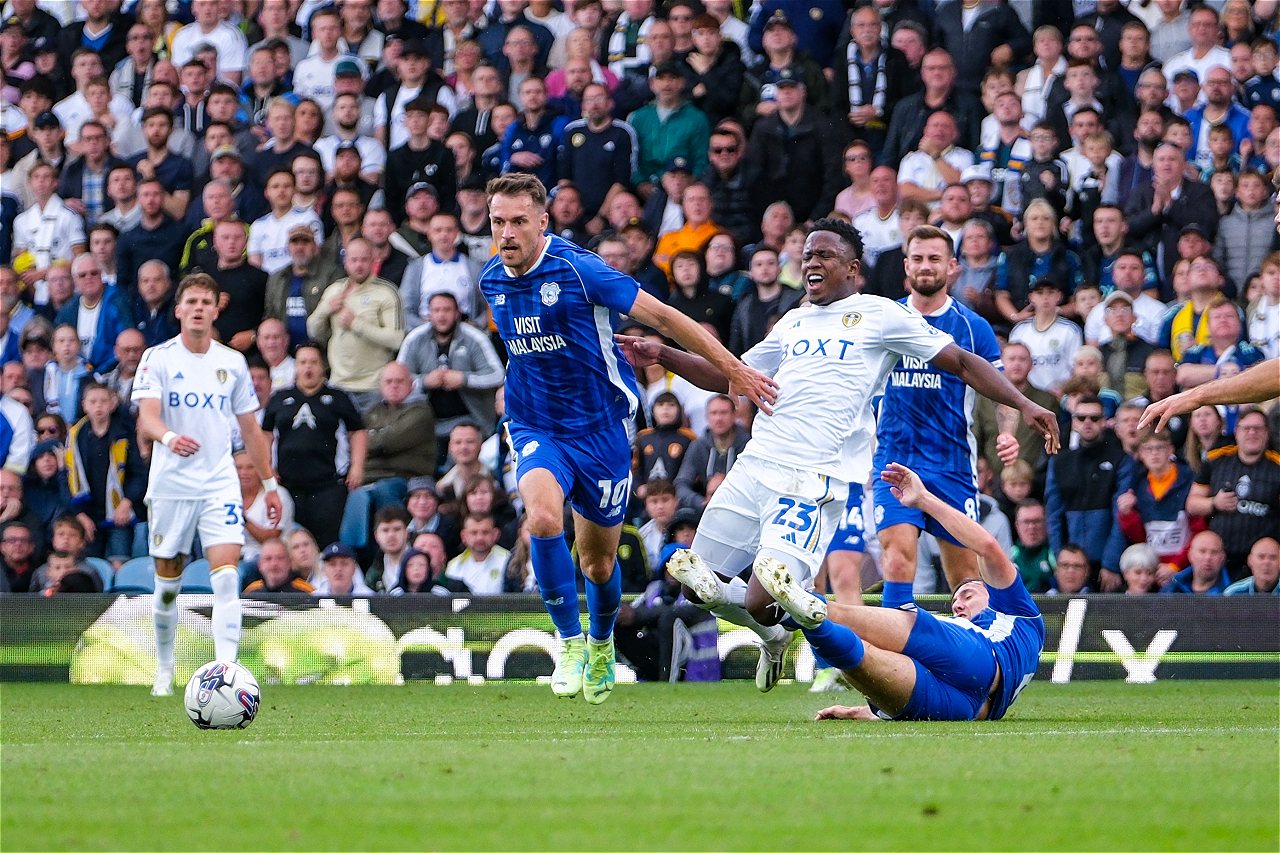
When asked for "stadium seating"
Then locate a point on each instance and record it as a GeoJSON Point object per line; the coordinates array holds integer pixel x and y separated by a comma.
{"type": "Point", "coordinates": [136, 577]}
{"type": "Point", "coordinates": [195, 577]}
{"type": "Point", "coordinates": [104, 570]}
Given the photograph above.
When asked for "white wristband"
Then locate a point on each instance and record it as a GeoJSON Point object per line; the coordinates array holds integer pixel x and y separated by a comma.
{"type": "Point", "coordinates": [270, 484]}
{"type": "Point", "coordinates": [168, 437]}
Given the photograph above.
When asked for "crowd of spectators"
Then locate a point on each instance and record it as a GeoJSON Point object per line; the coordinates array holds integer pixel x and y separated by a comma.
{"type": "Point", "coordinates": [1105, 170]}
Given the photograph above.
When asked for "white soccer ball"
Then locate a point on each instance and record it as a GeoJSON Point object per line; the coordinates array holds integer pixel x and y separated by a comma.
{"type": "Point", "coordinates": [222, 695]}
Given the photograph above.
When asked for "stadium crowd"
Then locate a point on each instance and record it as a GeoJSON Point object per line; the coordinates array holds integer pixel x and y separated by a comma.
{"type": "Point", "coordinates": [1105, 170]}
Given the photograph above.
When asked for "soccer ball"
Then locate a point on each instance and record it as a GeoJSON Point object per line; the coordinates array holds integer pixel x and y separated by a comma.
{"type": "Point", "coordinates": [222, 695]}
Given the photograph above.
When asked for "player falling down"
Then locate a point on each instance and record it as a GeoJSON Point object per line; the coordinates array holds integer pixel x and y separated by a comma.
{"type": "Point", "coordinates": [572, 400]}
{"type": "Point", "coordinates": [191, 392]}
{"type": "Point", "coordinates": [913, 665]}
{"type": "Point", "coordinates": [784, 497]}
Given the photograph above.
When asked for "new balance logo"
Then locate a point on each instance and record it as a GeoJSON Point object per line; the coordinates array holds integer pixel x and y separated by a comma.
{"type": "Point", "coordinates": [500, 299]}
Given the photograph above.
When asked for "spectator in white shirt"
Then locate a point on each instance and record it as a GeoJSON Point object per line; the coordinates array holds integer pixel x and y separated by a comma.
{"type": "Point", "coordinates": [269, 235]}
{"type": "Point", "coordinates": [210, 28]}
{"type": "Point", "coordinates": [937, 163]}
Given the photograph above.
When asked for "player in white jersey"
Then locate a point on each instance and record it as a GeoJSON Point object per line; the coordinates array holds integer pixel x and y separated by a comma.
{"type": "Point", "coordinates": [782, 501]}
{"type": "Point", "coordinates": [191, 393]}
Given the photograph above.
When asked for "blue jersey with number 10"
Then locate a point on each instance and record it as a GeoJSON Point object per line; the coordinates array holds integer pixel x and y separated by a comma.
{"type": "Point", "coordinates": [565, 375]}
{"type": "Point", "coordinates": [926, 414]}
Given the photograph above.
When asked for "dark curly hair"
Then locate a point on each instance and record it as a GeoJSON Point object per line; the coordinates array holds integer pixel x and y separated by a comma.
{"type": "Point", "coordinates": [844, 231]}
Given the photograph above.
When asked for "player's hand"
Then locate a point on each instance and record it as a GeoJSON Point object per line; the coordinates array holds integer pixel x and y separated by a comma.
{"type": "Point", "coordinates": [275, 508]}
{"type": "Point", "coordinates": [1165, 410]}
{"type": "Point", "coordinates": [1109, 581]}
{"type": "Point", "coordinates": [905, 484]}
{"type": "Point", "coordinates": [184, 445]}
{"type": "Point", "coordinates": [755, 386]}
{"type": "Point", "coordinates": [846, 712]}
{"type": "Point", "coordinates": [641, 352]}
{"type": "Point", "coordinates": [1044, 422]}
{"type": "Point", "coordinates": [1007, 448]}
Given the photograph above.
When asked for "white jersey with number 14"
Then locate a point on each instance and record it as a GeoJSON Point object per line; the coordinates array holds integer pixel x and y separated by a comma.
{"type": "Point", "coordinates": [200, 396]}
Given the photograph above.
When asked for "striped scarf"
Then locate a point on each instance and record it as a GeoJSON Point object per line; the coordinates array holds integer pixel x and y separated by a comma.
{"type": "Point", "coordinates": [855, 78]}
{"type": "Point", "coordinates": [78, 476]}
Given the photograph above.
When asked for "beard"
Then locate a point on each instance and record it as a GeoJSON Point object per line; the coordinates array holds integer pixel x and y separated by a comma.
{"type": "Point", "coordinates": [928, 287]}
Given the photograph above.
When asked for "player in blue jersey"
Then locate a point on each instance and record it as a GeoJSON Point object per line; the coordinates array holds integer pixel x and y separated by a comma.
{"type": "Point", "coordinates": [913, 665]}
{"type": "Point", "coordinates": [571, 398]}
{"type": "Point", "coordinates": [926, 421]}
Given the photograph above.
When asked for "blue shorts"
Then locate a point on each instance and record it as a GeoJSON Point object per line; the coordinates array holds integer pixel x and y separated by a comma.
{"type": "Point", "coordinates": [851, 535]}
{"type": "Point", "coordinates": [594, 471]}
{"type": "Point", "coordinates": [955, 666]}
{"type": "Point", "coordinates": [955, 490]}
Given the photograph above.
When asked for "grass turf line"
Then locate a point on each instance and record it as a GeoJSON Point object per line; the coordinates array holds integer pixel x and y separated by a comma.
{"type": "Point", "coordinates": [1090, 765]}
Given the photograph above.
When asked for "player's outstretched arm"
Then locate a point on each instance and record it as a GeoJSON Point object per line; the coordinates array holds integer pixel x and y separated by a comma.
{"type": "Point", "coordinates": [996, 567]}
{"type": "Point", "coordinates": [751, 383]}
{"type": "Point", "coordinates": [978, 373]}
{"type": "Point", "coordinates": [642, 352]}
{"type": "Point", "coordinates": [1255, 385]}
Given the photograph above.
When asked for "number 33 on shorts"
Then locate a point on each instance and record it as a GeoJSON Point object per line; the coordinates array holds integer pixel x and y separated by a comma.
{"type": "Point", "coordinates": [234, 514]}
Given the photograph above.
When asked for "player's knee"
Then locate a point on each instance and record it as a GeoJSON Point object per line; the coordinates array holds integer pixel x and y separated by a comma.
{"type": "Point", "coordinates": [597, 569]}
{"type": "Point", "coordinates": [544, 522]}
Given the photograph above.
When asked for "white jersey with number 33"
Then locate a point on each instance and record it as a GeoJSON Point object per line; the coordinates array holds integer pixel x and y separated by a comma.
{"type": "Point", "coordinates": [829, 362]}
{"type": "Point", "coordinates": [200, 396]}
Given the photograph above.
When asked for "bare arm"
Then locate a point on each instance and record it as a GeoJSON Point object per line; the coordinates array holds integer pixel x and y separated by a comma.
{"type": "Point", "coordinates": [642, 352]}
{"type": "Point", "coordinates": [255, 442]}
{"type": "Point", "coordinates": [978, 373]}
{"type": "Point", "coordinates": [757, 387]}
{"type": "Point", "coordinates": [1257, 384]}
{"type": "Point", "coordinates": [1199, 501]}
{"type": "Point", "coordinates": [1195, 375]}
{"type": "Point", "coordinates": [996, 568]}
{"type": "Point", "coordinates": [359, 451]}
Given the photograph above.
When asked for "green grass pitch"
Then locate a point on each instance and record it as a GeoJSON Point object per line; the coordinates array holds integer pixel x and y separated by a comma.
{"type": "Point", "coordinates": [1085, 766]}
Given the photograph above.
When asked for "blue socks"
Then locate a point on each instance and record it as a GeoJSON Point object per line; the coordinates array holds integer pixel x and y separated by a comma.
{"type": "Point", "coordinates": [896, 594]}
{"type": "Point", "coordinates": [557, 581]}
{"type": "Point", "coordinates": [603, 601]}
{"type": "Point", "coordinates": [837, 644]}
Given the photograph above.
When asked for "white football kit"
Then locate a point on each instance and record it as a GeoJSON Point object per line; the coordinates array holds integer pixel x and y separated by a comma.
{"type": "Point", "coordinates": [789, 486]}
{"type": "Point", "coordinates": [200, 396]}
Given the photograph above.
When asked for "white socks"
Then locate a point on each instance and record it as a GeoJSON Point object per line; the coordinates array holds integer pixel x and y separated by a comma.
{"type": "Point", "coordinates": [225, 581]}
{"type": "Point", "coordinates": [734, 609]}
{"type": "Point", "coordinates": [164, 616]}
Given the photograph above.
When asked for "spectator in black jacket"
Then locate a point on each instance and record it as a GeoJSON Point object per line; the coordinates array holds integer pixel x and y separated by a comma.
{"type": "Point", "coordinates": [798, 151]}
{"type": "Point", "coordinates": [76, 185]}
{"type": "Point", "coordinates": [995, 36]}
{"type": "Point", "coordinates": [420, 160]}
{"type": "Point", "coordinates": [870, 79]}
{"type": "Point", "coordinates": [763, 304]}
{"type": "Point", "coordinates": [1158, 211]}
{"type": "Point", "coordinates": [713, 71]}
{"type": "Point", "coordinates": [735, 205]}
{"type": "Point", "coordinates": [938, 72]}
{"type": "Point", "coordinates": [157, 237]}
{"type": "Point", "coordinates": [106, 474]}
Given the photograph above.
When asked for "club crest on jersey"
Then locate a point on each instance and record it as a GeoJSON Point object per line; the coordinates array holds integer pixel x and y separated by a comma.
{"type": "Point", "coordinates": [550, 293]}
{"type": "Point", "coordinates": [222, 375]}
{"type": "Point", "coordinates": [851, 319]}
{"type": "Point", "coordinates": [528, 448]}
{"type": "Point", "coordinates": [157, 539]}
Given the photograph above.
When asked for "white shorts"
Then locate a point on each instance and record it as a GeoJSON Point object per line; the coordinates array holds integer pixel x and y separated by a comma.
{"type": "Point", "coordinates": [766, 505]}
{"type": "Point", "coordinates": [174, 522]}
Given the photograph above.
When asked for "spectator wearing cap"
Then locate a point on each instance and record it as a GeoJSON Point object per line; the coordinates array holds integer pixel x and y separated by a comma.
{"type": "Point", "coordinates": [361, 319]}
{"type": "Point", "coordinates": [1129, 275]}
{"type": "Point", "coordinates": [1051, 338]}
{"type": "Point", "coordinates": [413, 79]}
{"type": "Point", "coordinates": [819, 29]}
{"type": "Point", "coordinates": [423, 503]}
{"type": "Point", "coordinates": [532, 143]}
{"type": "Point", "coordinates": [1158, 212]}
{"type": "Point", "coordinates": [662, 211]}
{"type": "Point", "coordinates": [732, 180]}
{"type": "Point", "coordinates": [294, 290]}
{"type": "Point", "coordinates": [781, 58]}
{"type": "Point", "coordinates": [634, 90]}
{"type": "Point", "coordinates": [46, 132]}
{"type": "Point", "coordinates": [34, 22]}
{"type": "Point", "coordinates": [35, 97]}
{"type": "Point", "coordinates": [683, 132]}
{"type": "Point", "coordinates": [420, 160]}
{"type": "Point", "coordinates": [421, 204]}
{"type": "Point", "coordinates": [342, 575]}
{"type": "Point", "coordinates": [1124, 355]}
{"type": "Point", "coordinates": [597, 151]}
{"type": "Point", "coordinates": [870, 78]}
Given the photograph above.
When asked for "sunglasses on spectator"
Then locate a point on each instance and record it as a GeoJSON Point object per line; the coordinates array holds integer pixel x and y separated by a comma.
{"type": "Point", "coordinates": [724, 149]}
{"type": "Point", "coordinates": [50, 430]}
{"type": "Point", "coordinates": [1090, 418]}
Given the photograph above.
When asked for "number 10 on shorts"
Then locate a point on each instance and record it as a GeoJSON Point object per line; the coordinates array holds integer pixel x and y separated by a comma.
{"type": "Point", "coordinates": [613, 494]}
